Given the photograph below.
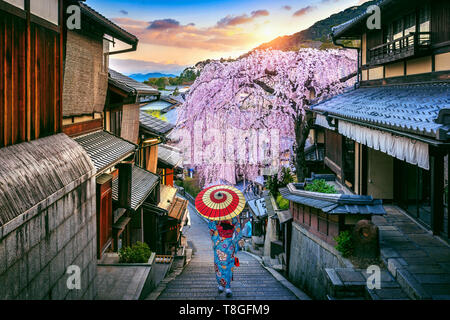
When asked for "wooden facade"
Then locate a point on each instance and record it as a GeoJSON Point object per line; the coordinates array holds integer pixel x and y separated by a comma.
{"type": "Point", "coordinates": [411, 48]}
{"type": "Point", "coordinates": [104, 213]}
{"type": "Point", "coordinates": [410, 31]}
{"type": "Point", "coordinates": [31, 54]}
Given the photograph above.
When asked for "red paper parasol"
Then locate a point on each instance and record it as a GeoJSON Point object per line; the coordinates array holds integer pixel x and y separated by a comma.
{"type": "Point", "coordinates": [220, 202]}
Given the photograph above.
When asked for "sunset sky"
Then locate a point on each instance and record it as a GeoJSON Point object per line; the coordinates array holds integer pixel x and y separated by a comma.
{"type": "Point", "coordinates": [174, 34]}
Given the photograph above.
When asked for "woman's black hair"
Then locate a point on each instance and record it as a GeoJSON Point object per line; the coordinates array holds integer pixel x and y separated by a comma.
{"type": "Point", "coordinates": [226, 225]}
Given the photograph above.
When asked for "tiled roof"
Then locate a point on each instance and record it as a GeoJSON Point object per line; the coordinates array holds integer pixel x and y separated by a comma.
{"type": "Point", "coordinates": [105, 149]}
{"type": "Point", "coordinates": [258, 207]}
{"type": "Point", "coordinates": [269, 207]}
{"type": "Point", "coordinates": [153, 124]}
{"type": "Point", "coordinates": [412, 108]}
{"type": "Point", "coordinates": [284, 216]}
{"type": "Point", "coordinates": [36, 171]}
{"type": "Point", "coordinates": [333, 203]}
{"type": "Point", "coordinates": [170, 156]}
{"type": "Point", "coordinates": [142, 184]}
{"type": "Point", "coordinates": [315, 153]}
{"type": "Point", "coordinates": [130, 85]}
{"type": "Point", "coordinates": [115, 30]}
{"type": "Point", "coordinates": [160, 105]}
{"type": "Point", "coordinates": [339, 29]}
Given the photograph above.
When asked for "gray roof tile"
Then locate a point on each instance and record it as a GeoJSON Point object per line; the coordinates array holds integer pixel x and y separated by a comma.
{"type": "Point", "coordinates": [105, 149]}
{"type": "Point", "coordinates": [343, 204]}
{"type": "Point", "coordinates": [170, 155]}
{"type": "Point", "coordinates": [411, 108]}
{"type": "Point", "coordinates": [153, 124]}
{"type": "Point", "coordinates": [142, 184]}
{"type": "Point", "coordinates": [130, 85]}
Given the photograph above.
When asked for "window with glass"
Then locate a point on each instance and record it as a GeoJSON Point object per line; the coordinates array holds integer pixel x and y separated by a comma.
{"type": "Point", "coordinates": [17, 3]}
{"type": "Point", "coordinates": [116, 122]}
{"type": "Point", "coordinates": [46, 9]}
{"type": "Point", "coordinates": [424, 25]}
{"type": "Point", "coordinates": [408, 25]}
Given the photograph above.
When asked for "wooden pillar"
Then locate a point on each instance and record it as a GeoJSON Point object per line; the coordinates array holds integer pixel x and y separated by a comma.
{"type": "Point", "coordinates": [125, 178]}
{"type": "Point", "coordinates": [437, 190]}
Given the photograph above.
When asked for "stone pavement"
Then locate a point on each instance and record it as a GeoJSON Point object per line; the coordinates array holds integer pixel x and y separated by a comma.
{"type": "Point", "coordinates": [419, 261]}
{"type": "Point", "coordinates": [197, 280]}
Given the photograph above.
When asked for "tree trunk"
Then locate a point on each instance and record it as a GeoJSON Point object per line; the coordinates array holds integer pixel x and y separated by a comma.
{"type": "Point", "coordinates": [302, 127]}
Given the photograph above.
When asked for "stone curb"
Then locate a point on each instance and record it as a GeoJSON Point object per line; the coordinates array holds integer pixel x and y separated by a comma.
{"type": "Point", "coordinates": [403, 277]}
{"type": "Point", "coordinates": [288, 285]}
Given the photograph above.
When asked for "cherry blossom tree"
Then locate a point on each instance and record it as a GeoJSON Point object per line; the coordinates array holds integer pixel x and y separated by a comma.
{"type": "Point", "coordinates": [268, 92]}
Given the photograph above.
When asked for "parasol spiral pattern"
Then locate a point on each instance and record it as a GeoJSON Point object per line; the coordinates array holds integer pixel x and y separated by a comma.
{"type": "Point", "coordinates": [220, 202]}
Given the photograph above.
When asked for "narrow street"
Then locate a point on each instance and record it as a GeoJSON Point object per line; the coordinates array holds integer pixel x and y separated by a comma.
{"type": "Point", "coordinates": [197, 281]}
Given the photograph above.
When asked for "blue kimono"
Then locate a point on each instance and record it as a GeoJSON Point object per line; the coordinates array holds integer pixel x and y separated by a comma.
{"type": "Point", "coordinates": [224, 250]}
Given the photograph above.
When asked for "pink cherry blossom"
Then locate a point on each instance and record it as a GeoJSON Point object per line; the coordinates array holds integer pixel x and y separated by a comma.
{"type": "Point", "coordinates": [234, 106]}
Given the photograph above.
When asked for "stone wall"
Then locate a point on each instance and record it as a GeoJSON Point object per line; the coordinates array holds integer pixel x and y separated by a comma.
{"type": "Point", "coordinates": [308, 260]}
{"type": "Point", "coordinates": [34, 257]}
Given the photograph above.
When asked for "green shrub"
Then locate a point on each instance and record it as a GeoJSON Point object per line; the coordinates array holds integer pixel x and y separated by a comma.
{"type": "Point", "coordinates": [190, 185]}
{"type": "Point", "coordinates": [137, 253]}
{"type": "Point", "coordinates": [272, 185]}
{"type": "Point", "coordinates": [286, 177]}
{"type": "Point", "coordinates": [344, 243]}
{"type": "Point", "coordinates": [320, 186]}
{"type": "Point", "coordinates": [282, 203]}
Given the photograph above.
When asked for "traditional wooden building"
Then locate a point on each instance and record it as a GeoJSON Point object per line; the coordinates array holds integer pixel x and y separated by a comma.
{"type": "Point", "coordinates": [159, 214]}
{"type": "Point", "coordinates": [85, 99]}
{"type": "Point", "coordinates": [152, 132]}
{"type": "Point", "coordinates": [170, 163]}
{"type": "Point", "coordinates": [164, 222]}
{"type": "Point", "coordinates": [388, 138]}
{"type": "Point", "coordinates": [86, 70]}
{"type": "Point", "coordinates": [122, 108]}
{"type": "Point", "coordinates": [47, 193]}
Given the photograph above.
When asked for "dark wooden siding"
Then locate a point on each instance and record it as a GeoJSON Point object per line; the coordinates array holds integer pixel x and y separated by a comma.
{"type": "Point", "coordinates": [440, 21]}
{"type": "Point", "coordinates": [333, 149]}
{"type": "Point", "coordinates": [374, 38]}
{"type": "Point", "coordinates": [104, 214]}
{"type": "Point", "coordinates": [30, 80]}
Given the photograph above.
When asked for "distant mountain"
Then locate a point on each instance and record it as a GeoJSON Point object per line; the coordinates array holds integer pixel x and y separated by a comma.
{"type": "Point", "coordinates": [315, 36]}
{"type": "Point", "coordinates": [143, 77]}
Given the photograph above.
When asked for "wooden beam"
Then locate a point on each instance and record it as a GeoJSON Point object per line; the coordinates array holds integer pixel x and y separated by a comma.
{"type": "Point", "coordinates": [437, 191]}
{"type": "Point", "coordinates": [28, 72]}
{"type": "Point", "coordinates": [76, 129]}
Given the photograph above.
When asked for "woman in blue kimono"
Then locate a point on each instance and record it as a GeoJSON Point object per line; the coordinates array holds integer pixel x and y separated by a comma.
{"type": "Point", "coordinates": [226, 236]}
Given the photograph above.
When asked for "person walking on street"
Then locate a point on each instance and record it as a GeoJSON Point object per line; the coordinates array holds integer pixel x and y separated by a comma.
{"type": "Point", "coordinates": [227, 239]}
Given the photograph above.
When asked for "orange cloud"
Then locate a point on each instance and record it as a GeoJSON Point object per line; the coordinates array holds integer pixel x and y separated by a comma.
{"type": "Point", "coordinates": [170, 32]}
{"type": "Point", "coordinates": [236, 20]}
{"type": "Point", "coordinates": [303, 11]}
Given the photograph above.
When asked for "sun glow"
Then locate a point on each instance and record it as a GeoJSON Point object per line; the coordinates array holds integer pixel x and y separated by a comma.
{"type": "Point", "coordinates": [267, 32]}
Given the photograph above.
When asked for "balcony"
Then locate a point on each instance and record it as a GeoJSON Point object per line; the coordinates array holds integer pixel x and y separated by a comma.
{"type": "Point", "coordinates": [415, 43]}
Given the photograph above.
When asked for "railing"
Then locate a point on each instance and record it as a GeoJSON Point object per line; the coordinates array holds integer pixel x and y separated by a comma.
{"type": "Point", "coordinates": [400, 48]}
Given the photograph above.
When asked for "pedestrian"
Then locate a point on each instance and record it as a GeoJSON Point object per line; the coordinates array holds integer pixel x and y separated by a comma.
{"type": "Point", "coordinates": [227, 240]}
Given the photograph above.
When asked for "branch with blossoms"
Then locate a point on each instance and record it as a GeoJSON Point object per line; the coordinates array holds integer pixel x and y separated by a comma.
{"type": "Point", "coordinates": [266, 90]}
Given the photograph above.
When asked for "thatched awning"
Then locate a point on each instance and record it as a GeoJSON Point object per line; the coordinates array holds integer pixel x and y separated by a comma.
{"type": "Point", "coordinates": [31, 172]}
